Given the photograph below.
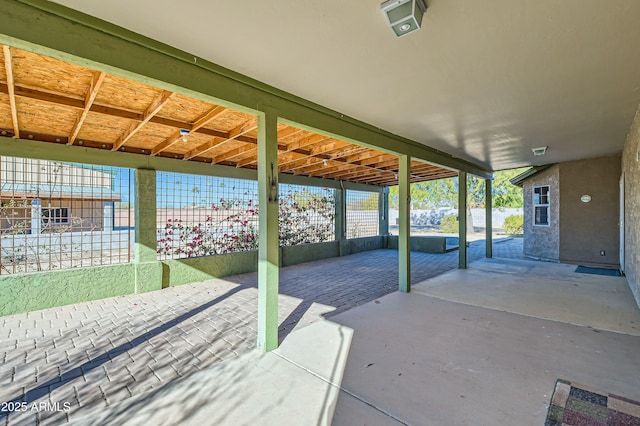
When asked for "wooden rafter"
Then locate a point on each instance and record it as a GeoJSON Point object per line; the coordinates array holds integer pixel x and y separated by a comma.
{"type": "Point", "coordinates": [155, 107]}
{"type": "Point", "coordinates": [366, 155]}
{"type": "Point", "coordinates": [60, 99]}
{"type": "Point", "coordinates": [234, 133]}
{"type": "Point", "coordinates": [389, 163]}
{"type": "Point", "coordinates": [340, 162]}
{"type": "Point", "coordinates": [252, 158]}
{"type": "Point", "coordinates": [333, 150]}
{"type": "Point", "coordinates": [229, 155]}
{"type": "Point", "coordinates": [374, 158]}
{"type": "Point", "coordinates": [92, 92]}
{"type": "Point", "coordinates": [291, 161]}
{"type": "Point", "coordinates": [200, 122]}
{"type": "Point", "coordinates": [312, 170]}
{"type": "Point", "coordinates": [11, 90]}
{"type": "Point", "coordinates": [354, 172]}
{"type": "Point", "coordinates": [306, 141]}
{"type": "Point", "coordinates": [303, 165]}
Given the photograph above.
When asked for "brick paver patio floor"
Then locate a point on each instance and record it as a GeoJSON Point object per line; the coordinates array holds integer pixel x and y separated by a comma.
{"type": "Point", "coordinates": [94, 354]}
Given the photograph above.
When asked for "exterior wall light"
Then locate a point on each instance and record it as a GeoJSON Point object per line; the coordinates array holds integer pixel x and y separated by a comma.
{"type": "Point", "coordinates": [404, 16]}
{"type": "Point", "coordinates": [184, 133]}
{"type": "Point", "coordinates": [585, 198]}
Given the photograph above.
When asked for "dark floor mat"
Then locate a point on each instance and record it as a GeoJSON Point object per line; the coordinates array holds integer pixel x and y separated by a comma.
{"type": "Point", "coordinates": [576, 405]}
{"type": "Point", "coordinates": [598, 271]}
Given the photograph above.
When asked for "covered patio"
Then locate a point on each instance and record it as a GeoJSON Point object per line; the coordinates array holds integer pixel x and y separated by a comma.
{"type": "Point", "coordinates": [245, 273]}
{"type": "Point", "coordinates": [97, 354]}
{"type": "Point", "coordinates": [456, 361]}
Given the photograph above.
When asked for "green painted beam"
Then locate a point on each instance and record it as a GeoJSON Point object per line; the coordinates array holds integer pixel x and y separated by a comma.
{"type": "Point", "coordinates": [327, 183]}
{"type": "Point", "coordinates": [488, 218]}
{"type": "Point", "coordinates": [50, 29]}
{"type": "Point", "coordinates": [404, 237]}
{"type": "Point", "coordinates": [269, 247]}
{"type": "Point", "coordinates": [76, 154]}
{"type": "Point", "coordinates": [462, 220]}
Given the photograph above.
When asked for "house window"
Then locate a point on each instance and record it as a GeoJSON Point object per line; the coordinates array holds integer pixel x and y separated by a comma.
{"type": "Point", "coordinates": [55, 216]}
{"type": "Point", "coordinates": [541, 205]}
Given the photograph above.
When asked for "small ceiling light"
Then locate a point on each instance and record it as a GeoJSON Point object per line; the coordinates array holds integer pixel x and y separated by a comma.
{"type": "Point", "coordinates": [541, 150]}
{"type": "Point", "coordinates": [324, 162]}
{"type": "Point", "coordinates": [184, 133]}
{"type": "Point", "coordinates": [404, 16]}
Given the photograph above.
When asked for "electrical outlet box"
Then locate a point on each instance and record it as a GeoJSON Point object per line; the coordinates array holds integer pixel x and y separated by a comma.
{"type": "Point", "coordinates": [602, 253]}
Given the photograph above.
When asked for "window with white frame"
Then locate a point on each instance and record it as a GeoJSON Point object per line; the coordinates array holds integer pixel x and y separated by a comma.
{"type": "Point", "coordinates": [55, 215]}
{"type": "Point", "coordinates": [541, 205]}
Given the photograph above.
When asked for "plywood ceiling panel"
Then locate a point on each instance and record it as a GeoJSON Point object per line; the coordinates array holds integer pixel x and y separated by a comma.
{"type": "Point", "coordinates": [63, 103]}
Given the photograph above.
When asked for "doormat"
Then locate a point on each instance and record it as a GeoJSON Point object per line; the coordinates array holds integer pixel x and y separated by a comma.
{"type": "Point", "coordinates": [577, 405]}
{"type": "Point", "coordinates": [598, 271]}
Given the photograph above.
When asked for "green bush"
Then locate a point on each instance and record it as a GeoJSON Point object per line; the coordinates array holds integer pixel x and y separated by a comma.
{"type": "Point", "coordinates": [514, 224]}
{"type": "Point", "coordinates": [449, 224]}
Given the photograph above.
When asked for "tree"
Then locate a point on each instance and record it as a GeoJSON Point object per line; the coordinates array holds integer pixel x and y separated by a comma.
{"type": "Point", "coordinates": [429, 194]}
{"type": "Point", "coordinates": [505, 194]}
{"type": "Point", "coordinates": [444, 192]}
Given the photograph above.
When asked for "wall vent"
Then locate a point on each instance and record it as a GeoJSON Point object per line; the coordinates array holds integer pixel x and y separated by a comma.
{"type": "Point", "coordinates": [541, 150]}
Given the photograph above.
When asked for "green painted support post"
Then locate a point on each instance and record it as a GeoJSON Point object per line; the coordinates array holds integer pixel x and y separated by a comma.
{"type": "Point", "coordinates": [148, 271]}
{"type": "Point", "coordinates": [404, 202]}
{"type": "Point", "coordinates": [145, 216]}
{"type": "Point", "coordinates": [488, 218]}
{"type": "Point", "coordinates": [341, 220]}
{"type": "Point", "coordinates": [269, 247]}
{"type": "Point", "coordinates": [383, 212]}
{"type": "Point", "coordinates": [462, 220]}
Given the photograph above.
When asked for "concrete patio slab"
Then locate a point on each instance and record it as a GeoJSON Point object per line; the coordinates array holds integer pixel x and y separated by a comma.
{"type": "Point", "coordinates": [540, 289]}
{"type": "Point", "coordinates": [400, 359]}
{"type": "Point", "coordinates": [428, 361]}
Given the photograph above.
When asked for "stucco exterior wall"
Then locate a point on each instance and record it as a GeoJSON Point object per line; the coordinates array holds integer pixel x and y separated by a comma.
{"type": "Point", "coordinates": [631, 170]}
{"type": "Point", "coordinates": [543, 242]}
{"type": "Point", "coordinates": [587, 229]}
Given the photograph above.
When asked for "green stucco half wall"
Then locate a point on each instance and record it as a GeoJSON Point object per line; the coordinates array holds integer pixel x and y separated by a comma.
{"type": "Point", "coordinates": [41, 290]}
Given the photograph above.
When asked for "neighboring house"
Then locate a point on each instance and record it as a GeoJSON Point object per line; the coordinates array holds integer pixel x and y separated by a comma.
{"type": "Point", "coordinates": [571, 211]}
{"type": "Point", "coordinates": [44, 196]}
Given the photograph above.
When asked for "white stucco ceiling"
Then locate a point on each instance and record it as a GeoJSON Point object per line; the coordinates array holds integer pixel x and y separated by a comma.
{"type": "Point", "coordinates": [482, 80]}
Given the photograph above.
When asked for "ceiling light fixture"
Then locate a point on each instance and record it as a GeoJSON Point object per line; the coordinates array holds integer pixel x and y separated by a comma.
{"type": "Point", "coordinates": [404, 16]}
{"type": "Point", "coordinates": [324, 162]}
{"type": "Point", "coordinates": [184, 133]}
{"type": "Point", "coordinates": [541, 150]}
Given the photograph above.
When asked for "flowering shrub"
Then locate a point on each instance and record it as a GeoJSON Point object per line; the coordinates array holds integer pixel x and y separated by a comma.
{"type": "Point", "coordinates": [306, 218]}
{"type": "Point", "coordinates": [231, 225]}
